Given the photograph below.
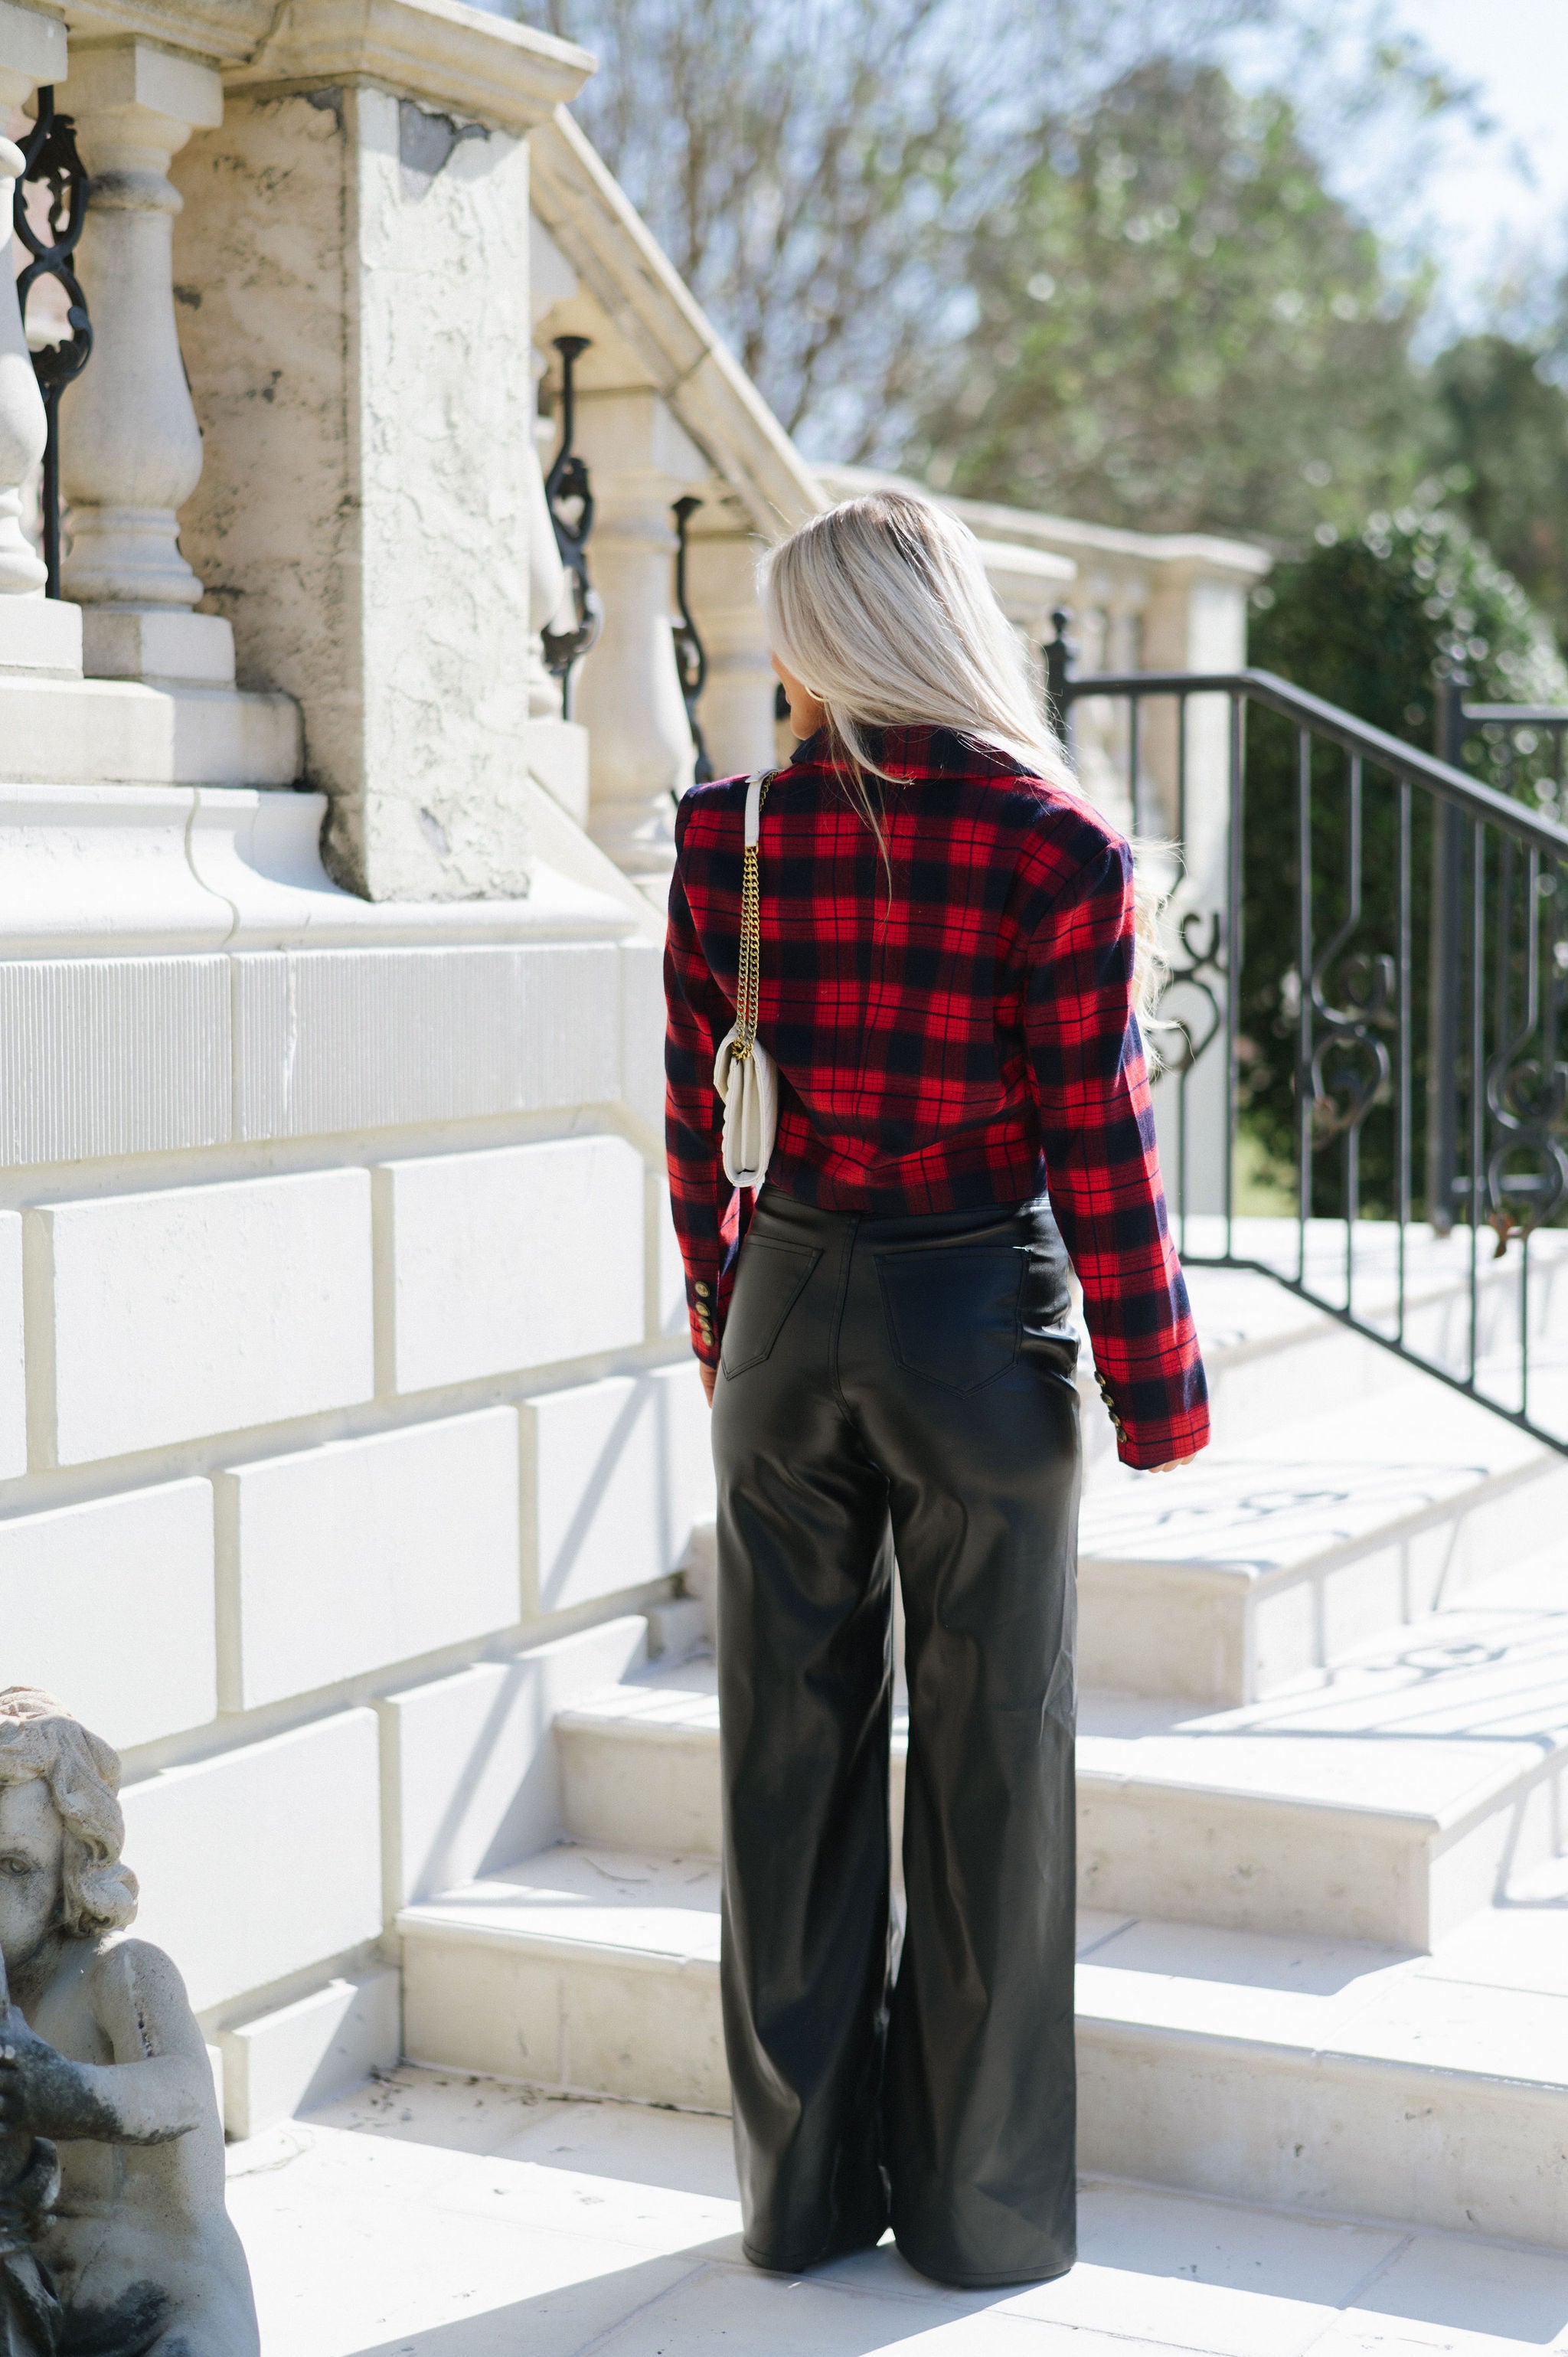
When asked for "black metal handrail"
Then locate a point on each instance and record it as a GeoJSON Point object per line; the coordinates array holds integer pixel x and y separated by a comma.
{"type": "Point", "coordinates": [1340, 831]}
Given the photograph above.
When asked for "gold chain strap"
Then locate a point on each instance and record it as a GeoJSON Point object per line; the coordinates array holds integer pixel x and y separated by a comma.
{"type": "Point", "coordinates": [748, 981]}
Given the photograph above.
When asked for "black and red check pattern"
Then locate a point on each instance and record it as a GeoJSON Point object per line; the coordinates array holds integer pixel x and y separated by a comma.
{"type": "Point", "coordinates": [961, 1037]}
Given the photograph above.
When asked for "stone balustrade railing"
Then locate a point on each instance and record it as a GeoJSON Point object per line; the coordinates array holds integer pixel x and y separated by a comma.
{"type": "Point", "coordinates": [331, 250]}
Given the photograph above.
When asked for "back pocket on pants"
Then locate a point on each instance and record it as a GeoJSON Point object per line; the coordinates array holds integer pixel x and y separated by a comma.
{"type": "Point", "coordinates": [953, 1311]}
{"type": "Point", "coordinates": [767, 1283]}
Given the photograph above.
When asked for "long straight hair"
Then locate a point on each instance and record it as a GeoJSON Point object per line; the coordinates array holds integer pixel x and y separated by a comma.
{"type": "Point", "coordinates": [882, 608]}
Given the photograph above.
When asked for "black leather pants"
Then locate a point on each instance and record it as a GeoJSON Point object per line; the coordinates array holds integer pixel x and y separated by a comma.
{"type": "Point", "coordinates": [899, 1385]}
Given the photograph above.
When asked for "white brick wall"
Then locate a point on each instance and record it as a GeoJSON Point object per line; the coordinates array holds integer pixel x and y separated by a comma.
{"type": "Point", "coordinates": [468, 1768]}
{"type": "Point", "coordinates": [509, 1259]}
{"type": "Point", "coordinates": [183, 1323]}
{"type": "Point", "coordinates": [162, 1317]}
{"type": "Point", "coordinates": [338, 1559]}
{"type": "Point", "coordinates": [300, 2055]}
{"type": "Point", "coordinates": [263, 1861]}
{"type": "Point", "coordinates": [13, 1383]}
{"type": "Point", "coordinates": [616, 1477]}
{"type": "Point", "coordinates": [110, 1606]}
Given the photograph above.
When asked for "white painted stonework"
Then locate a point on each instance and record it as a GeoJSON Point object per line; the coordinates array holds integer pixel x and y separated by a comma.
{"type": "Point", "coordinates": [90, 1598]}
{"type": "Point", "coordinates": [133, 454]}
{"type": "Point", "coordinates": [163, 1316]}
{"type": "Point", "coordinates": [617, 1476]}
{"type": "Point", "coordinates": [338, 1559]}
{"type": "Point", "coordinates": [262, 1860]}
{"type": "Point", "coordinates": [471, 1771]}
{"type": "Point", "coordinates": [354, 1474]}
{"type": "Point", "coordinates": [298, 2055]}
{"type": "Point", "coordinates": [471, 1288]}
{"type": "Point", "coordinates": [12, 1372]}
{"type": "Point", "coordinates": [372, 494]}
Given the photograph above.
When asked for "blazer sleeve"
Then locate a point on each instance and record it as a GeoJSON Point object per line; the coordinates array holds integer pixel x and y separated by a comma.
{"type": "Point", "coordinates": [697, 1016]}
{"type": "Point", "coordinates": [1097, 1129]}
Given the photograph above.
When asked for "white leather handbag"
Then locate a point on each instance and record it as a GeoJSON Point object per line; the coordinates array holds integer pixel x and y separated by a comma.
{"type": "Point", "coordinates": [743, 1069]}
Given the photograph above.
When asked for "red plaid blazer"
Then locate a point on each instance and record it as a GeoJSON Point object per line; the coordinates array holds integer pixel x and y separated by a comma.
{"type": "Point", "coordinates": [966, 1037]}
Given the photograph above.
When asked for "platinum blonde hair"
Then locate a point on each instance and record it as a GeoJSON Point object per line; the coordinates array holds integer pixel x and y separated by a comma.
{"type": "Point", "coordinates": [881, 608]}
{"type": "Point", "coordinates": [40, 1740]}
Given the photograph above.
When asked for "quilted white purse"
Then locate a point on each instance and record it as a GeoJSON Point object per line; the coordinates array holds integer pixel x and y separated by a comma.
{"type": "Point", "coordinates": [743, 1069]}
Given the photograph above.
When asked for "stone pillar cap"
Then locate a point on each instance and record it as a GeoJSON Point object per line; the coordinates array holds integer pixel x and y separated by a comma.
{"type": "Point", "coordinates": [438, 51]}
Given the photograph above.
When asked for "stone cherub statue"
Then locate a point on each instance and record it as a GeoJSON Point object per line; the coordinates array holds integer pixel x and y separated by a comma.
{"type": "Point", "coordinates": [120, 2245]}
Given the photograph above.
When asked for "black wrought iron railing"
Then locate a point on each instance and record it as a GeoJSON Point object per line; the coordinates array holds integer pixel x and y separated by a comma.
{"type": "Point", "coordinates": [1317, 868]}
{"type": "Point", "coordinates": [51, 163]}
{"type": "Point", "coordinates": [569, 495]}
{"type": "Point", "coordinates": [691, 655]}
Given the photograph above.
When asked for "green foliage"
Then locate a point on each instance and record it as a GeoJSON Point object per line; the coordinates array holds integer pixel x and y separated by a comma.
{"type": "Point", "coordinates": [1500, 436]}
{"type": "Point", "coordinates": [1179, 327]}
{"type": "Point", "coordinates": [1369, 623]}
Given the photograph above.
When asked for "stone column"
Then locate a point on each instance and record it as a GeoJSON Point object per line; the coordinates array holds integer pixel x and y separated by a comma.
{"type": "Point", "coordinates": [737, 710]}
{"type": "Point", "coordinates": [130, 444]}
{"type": "Point", "coordinates": [1195, 620]}
{"type": "Point", "coordinates": [361, 355]}
{"type": "Point", "coordinates": [35, 633]}
{"type": "Point", "coordinates": [628, 696]}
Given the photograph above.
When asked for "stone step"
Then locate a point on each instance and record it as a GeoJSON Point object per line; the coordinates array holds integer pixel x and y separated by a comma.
{"type": "Point", "coordinates": [1314, 2074]}
{"type": "Point", "coordinates": [1388, 1804]}
{"type": "Point", "coordinates": [1268, 1560]}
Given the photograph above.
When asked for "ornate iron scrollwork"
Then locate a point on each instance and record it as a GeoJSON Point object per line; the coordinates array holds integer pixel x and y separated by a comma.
{"type": "Point", "coordinates": [50, 161]}
{"type": "Point", "coordinates": [1526, 1076]}
{"type": "Point", "coordinates": [1349, 1062]}
{"type": "Point", "coordinates": [571, 502]}
{"type": "Point", "coordinates": [1202, 970]}
{"type": "Point", "coordinates": [691, 655]}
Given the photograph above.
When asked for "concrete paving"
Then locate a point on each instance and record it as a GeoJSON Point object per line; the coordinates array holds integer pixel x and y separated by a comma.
{"type": "Point", "coordinates": [436, 2215]}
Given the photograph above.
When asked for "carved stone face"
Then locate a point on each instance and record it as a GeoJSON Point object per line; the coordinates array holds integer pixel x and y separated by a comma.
{"type": "Point", "coordinates": [32, 1850]}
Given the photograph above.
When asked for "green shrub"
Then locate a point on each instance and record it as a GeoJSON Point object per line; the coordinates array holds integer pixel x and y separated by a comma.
{"type": "Point", "coordinates": [1369, 624]}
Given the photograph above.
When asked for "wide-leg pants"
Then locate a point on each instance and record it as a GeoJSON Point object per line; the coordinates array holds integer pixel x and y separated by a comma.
{"type": "Point", "coordinates": [899, 1389]}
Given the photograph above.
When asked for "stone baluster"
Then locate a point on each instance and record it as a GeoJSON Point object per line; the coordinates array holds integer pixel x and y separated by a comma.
{"type": "Point", "coordinates": [628, 696]}
{"type": "Point", "coordinates": [131, 448]}
{"type": "Point", "coordinates": [737, 699]}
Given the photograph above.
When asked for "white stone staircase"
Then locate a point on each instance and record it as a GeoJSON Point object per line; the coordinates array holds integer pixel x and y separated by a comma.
{"type": "Point", "coordinates": [1323, 1817]}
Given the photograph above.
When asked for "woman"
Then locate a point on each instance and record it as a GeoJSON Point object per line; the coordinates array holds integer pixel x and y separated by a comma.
{"type": "Point", "coordinates": [950, 969]}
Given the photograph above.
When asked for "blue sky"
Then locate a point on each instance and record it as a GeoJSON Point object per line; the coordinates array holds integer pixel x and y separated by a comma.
{"type": "Point", "coordinates": [1510, 185]}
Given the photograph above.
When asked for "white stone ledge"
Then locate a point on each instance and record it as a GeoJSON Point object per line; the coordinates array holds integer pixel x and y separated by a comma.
{"type": "Point", "coordinates": [109, 1605]}
{"type": "Point", "coordinates": [502, 72]}
{"type": "Point", "coordinates": [132, 866]}
{"type": "Point", "coordinates": [123, 732]}
{"type": "Point", "coordinates": [263, 1861]}
{"type": "Point", "coordinates": [347, 1041]}
{"type": "Point", "coordinates": [259, 854]}
{"type": "Point", "coordinates": [338, 1559]}
{"type": "Point", "coordinates": [113, 1056]}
